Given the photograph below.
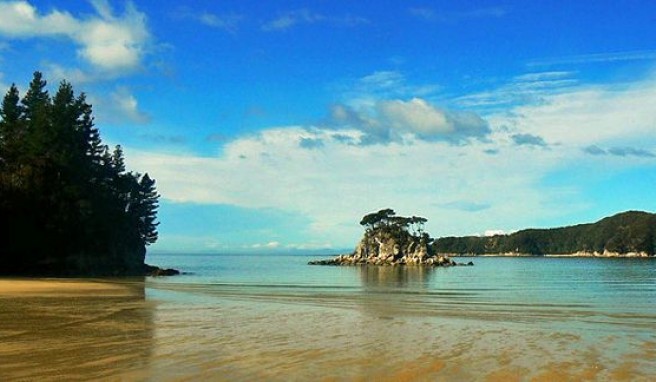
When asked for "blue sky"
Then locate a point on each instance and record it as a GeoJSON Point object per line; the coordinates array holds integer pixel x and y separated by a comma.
{"type": "Point", "coordinates": [274, 126]}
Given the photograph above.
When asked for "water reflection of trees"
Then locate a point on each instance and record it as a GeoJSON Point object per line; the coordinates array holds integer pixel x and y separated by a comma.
{"type": "Point", "coordinates": [77, 335]}
{"type": "Point", "coordinates": [395, 276]}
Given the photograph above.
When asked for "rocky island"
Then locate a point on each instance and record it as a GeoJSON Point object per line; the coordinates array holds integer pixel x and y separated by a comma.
{"type": "Point", "coordinates": [392, 240]}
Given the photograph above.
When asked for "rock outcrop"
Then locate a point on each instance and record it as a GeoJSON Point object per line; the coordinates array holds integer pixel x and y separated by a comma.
{"type": "Point", "coordinates": [392, 240]}
{"type": "Point", "coordinates": [385, 246]}
{"type": "Point", "coordinates": [154, 271]}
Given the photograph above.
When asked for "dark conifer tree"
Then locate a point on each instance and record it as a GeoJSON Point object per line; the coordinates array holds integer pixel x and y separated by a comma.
{"type": "Point", "coordinates": [67, 204]}
{"type": "Point", "coordinates": [10, 114]}
{"type": "Point", "coordinates": [147, 209]}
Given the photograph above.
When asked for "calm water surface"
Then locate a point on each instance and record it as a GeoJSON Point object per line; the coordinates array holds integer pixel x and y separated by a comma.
{"type": "Point", "coordinates": [275, 317]}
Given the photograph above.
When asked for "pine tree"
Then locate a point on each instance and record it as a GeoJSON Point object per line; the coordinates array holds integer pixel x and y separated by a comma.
{"type": "Point", "coordinates": [10, 115]}
{"type": "Point", "coordinates": [148, 204]}
{"type": "Point", "coordinates": [67, 205]}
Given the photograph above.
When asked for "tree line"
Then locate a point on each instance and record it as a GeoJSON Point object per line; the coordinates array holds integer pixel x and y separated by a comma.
{"type": "Point", "coordinates": [68, 205]}
{"type": "Point", "coordinates": [632, 231]}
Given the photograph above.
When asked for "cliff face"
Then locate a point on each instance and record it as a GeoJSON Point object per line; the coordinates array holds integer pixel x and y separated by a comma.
{"type": "Point", "coordinates": [383, 246]}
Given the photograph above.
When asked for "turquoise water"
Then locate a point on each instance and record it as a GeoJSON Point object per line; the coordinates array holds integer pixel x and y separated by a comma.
{"type": "Point", "coordinates": [517, 318]}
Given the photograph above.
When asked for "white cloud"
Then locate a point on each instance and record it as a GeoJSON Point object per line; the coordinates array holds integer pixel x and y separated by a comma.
{"type": "Point", "coordinates": [56, 73]}
{"type": "Point", "coordinates": [586, 115]}
{"type": "Point", "coordinates": [396, 120]}
{"type": "Point", "coordinates": [383, 84]}
{"type": "Point", "coordinates": [296, 17]}
{"type": "Point", "coordinates": [528, 88]}
{"type": "Point", "coordinates": [431, 14]}
{"type": "Point", "coordinates": [108, 42]}
{"type": "Point", "coordinates": [460, 188]}
{"type": "Point", "coordinates": [635, 55]}
{"type": "Point", "coordinates": [338, 183]}
{"type": "Point", "coordinates": [415, 115]}
{"type": "Point", "coordinates": [386, 107]}
{"type": "Point", "coordinates": [384, 79]}
{"type": "Point", "coordinates": [269, 245]}
{"type": "Point", "coordinates": [228, 22]}
{"type": "Point", "coordinates": [292, 18]}
{"type": "Point", "coordinates": [119, 106]}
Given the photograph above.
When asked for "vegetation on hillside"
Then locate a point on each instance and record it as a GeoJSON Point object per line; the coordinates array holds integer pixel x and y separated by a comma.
{"type": "Point", "coordinates": [631, 231]}
{"type": "Point", "coordinates": [67, 203]}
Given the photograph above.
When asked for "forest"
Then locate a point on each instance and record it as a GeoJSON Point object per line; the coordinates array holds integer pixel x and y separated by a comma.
{"type": "Point", "coordinates": [68, 205]}
{"type": "Point", "coordinates": [631, 231]}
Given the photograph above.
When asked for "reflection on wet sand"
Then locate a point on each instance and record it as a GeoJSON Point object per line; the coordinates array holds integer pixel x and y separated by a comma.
{"type": "Point", "coordinates": [387, 330]}
{"type": "Point", "coordinates": [74, 330]}
{"type": "Point", "coordinates": [394, 276]}
{"type": "Point", "coordinates": [276, 340]}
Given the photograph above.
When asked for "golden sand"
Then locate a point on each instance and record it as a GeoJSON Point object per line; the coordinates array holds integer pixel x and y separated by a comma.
{"type": "Point", "coordinates": [60, 329]}
{"type": "Point", "coordinates": [59, 287]}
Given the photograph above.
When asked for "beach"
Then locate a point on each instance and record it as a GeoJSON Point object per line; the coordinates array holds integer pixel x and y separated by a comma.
{"type": "Point", "coordinates": [68, 329]}
{"type": "Point", "coordinates": [298, 322]}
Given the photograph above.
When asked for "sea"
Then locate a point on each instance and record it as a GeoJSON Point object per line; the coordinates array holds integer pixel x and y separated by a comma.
{"type": "Point", "coordinates": [274, 317]}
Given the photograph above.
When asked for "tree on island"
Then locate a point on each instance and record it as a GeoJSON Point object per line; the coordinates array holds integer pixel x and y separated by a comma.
{"type": "Point", "coordinates": [386, 220]}
{"type": "Point", "coordinates": [392, 240]}
{"type": "Point", "coordinates": [67, 203]}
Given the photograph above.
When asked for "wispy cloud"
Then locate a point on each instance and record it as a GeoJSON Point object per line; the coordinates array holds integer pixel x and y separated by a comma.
{"type": "Point", "coordinates": [119, 106]}
{"type": "Point", "coordinates": [229, 21]}
{"type": "Point", "coordinates": [596, 58]}
{"type": "Point", "coordinates": [164, 139]}
{"type": "Point", "coordinates": [624, 151]}
{"type": "Point", "coordinates": [464, 205]}
{"type": "Point", "coordinates": [3, 86]}
{"type": "Point", "coordinates": [382, 84]}
{"type": "Point", "coordinates": [528, 140]}
{"type": "Point", "coordinates": [76, 76]}
{"type": "Point", "coordinates": [432, 14]}
{"type": "Point", "coordinates": [106, 41]}
{"type": "Point", "coordinates": [306, 16]}
{"type": "Point", "coordinates": [521, 89]}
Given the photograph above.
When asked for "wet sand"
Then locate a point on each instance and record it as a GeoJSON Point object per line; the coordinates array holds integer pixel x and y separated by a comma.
{"type": "Point", "coordinates": [22, 287]}
{"type": "Point", "coordinates": [274, 337]}
{"type": "Point", "coordinates": [136, 330]}
{"type": "Point", "coordinates": [65, 329]}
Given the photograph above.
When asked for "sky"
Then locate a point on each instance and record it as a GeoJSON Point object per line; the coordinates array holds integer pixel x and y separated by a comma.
{"type": "Point", "coordinates": [276, 125]}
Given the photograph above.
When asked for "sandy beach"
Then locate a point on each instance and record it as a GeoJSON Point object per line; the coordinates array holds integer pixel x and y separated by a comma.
{"type": "Point", "coordinates": [69, 329]}
{"type": "Point", "coordinates": [59, 329]}
{"type": "Point", "coordinates": [22, 287]}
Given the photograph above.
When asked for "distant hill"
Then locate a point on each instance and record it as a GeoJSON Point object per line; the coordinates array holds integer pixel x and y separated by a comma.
{"type": "Point", "coordinates": [632, 231]}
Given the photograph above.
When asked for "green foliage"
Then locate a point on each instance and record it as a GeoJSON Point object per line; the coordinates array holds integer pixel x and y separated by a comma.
{"type": "Point", "coordinates": [386, 220]}
{"type": "Point", "coordinates": [631, 231]}
{"type": "Point", "coordinates": [67, 204]}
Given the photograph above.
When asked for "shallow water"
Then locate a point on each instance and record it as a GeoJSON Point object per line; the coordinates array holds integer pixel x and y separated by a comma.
{"type": "Point", "coordinates": [276, 318]}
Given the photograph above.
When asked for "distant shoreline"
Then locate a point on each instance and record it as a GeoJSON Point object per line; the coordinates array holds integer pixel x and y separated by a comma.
{"type": "Point", "coordinates": [605, 254]}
